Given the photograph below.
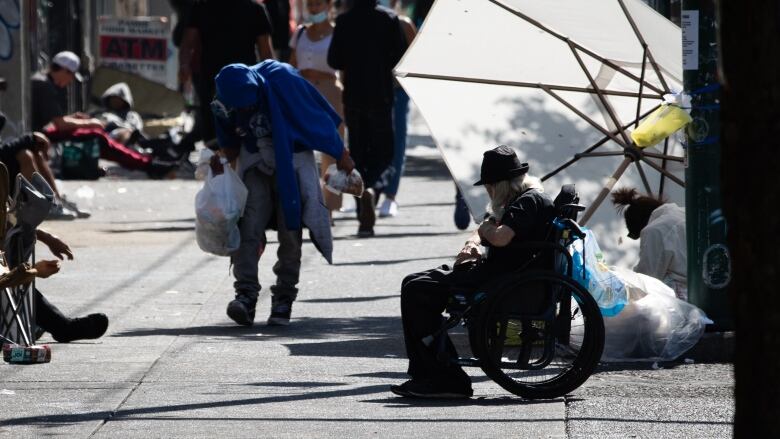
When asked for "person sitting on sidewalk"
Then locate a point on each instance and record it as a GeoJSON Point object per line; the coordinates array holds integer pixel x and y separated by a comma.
{"type": "Point", "coordinates": [520, 212]}
{"type": "Point", "coordinates": [660, 228]}
{"type": "Point", "coordinates": [49, 103]}
{"type": "Point", "coordinates": [27, 154]}
{"type": "Point", "coordinates": [271, 119]}
{"type": "Point", "coordinates": [50, 319]}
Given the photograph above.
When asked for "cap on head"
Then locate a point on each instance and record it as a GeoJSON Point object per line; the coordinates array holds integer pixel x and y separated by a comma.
{"type": "Point", "coordinates": [68, 61]}
{"type": "Point", "coordinates": [499, 164]}
{"type": "Point", "coordinates": [237, 86]}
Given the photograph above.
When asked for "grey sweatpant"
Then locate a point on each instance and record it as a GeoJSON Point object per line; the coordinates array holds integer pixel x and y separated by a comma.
{"type": "Point", "coordinates": [261, 203]}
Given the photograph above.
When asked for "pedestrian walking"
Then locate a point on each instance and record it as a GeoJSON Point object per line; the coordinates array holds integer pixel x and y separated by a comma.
{"type": "Point", "coordinates": [271, 119]}
{"type": "Point", "coordinates": [367, 43]}
{"type": "Point", "coordinates": [219, 33]}
{"type": "Point", "coordinates": [310, 45]}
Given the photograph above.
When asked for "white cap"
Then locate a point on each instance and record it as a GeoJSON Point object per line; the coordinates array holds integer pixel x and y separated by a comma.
{"type": "Point", "coordinates": [68, 61]}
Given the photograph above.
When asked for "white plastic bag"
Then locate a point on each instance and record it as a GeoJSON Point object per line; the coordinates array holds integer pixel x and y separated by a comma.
{"type": "Point", "coordinates": [338, 181]}
{"type": "Point", "coordinates": [603, 285]}
{"type": "Point", "coordinates": [218, 207]}
{"type": "Point", "coordinates": [655, 325]}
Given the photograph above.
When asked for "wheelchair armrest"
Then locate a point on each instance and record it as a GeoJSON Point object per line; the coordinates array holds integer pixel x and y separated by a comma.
{"type": "Point", "coordinates": [545, 245]}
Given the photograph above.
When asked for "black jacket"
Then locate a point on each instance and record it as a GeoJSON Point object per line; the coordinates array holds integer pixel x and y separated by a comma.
{"type": "Point", "coordinates": [367, 44]}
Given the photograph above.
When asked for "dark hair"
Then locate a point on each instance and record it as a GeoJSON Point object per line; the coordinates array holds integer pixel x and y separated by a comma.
{"type": "Point", "coordinates": [55, 67]}
{"type": "Point", "coordinates": [635, 208]}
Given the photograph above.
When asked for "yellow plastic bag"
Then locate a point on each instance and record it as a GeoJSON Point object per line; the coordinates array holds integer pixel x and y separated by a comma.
{"type": "Point", "coordinates": [659, 125]}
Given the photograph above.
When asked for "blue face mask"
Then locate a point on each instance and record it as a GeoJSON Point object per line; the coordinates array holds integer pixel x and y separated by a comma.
{"type": "Point", "coordinates": [319, 17]}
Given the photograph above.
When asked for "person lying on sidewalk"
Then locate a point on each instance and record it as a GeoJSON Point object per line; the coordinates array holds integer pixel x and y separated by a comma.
{"type": "Point", "coordinates": [271, 119]}
{"type": "Point", "coordinates": [49, 115]}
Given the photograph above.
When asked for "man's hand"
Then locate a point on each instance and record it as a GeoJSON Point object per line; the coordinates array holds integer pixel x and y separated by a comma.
{"type": "Point", "coordinates": [216, 165]}
{"type": "Point", "coordinates": [45, 269]}
{"type": "Point", "coordinates": [345, 163]}
{"type": "Point", "coordinates": [468, 253]}
{"type": "Point", "coordinates": [57, 247]}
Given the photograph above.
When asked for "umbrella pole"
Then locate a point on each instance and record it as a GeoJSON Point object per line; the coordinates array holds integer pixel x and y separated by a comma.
{"type": "Point", "coordinates": [606, 190]}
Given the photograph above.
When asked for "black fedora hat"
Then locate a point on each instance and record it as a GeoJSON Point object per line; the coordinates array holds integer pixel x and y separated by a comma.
{"type": "Point", "coordinates": [499, 164]}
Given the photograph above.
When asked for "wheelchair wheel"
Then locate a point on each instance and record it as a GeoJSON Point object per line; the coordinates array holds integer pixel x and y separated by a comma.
{"type": "Point", "coordinates": [539, 335]}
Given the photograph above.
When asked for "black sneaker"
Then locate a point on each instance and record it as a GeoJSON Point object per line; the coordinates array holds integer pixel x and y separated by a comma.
{"type": "Point", "coordinates": [242, 309]}
{"type": "Point", "coordinates": [428, 389]}
{"type": "Point", "coordinates": [280, 312]}
{"type": "Point", "coordinates": [89, 327]}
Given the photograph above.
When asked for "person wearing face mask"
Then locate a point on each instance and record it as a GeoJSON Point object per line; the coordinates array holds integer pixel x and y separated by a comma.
{"type": "Point", "coordinates": [367, 44]}
{"type": "Point", "coordinates": [310, 45]}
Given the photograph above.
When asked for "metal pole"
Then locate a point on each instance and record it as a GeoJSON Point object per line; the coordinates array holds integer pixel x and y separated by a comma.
{"type": "Point", "coordinates": [709, 270]}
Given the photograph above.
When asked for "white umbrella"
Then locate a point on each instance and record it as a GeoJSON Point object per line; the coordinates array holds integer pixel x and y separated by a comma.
{"type": "Point", "coordinates": [562, 81]}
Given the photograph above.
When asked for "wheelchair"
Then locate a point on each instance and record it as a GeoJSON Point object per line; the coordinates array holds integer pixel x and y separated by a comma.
{"type": "Point", "coordinates": [535, 332]}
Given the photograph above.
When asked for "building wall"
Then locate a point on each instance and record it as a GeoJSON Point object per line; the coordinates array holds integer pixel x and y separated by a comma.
{"type": "Point", "coordinates": [13, 65]}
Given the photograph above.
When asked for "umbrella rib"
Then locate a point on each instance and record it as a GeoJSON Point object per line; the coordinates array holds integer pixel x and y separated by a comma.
{"type": "Point", "coordinates": [673, 158]}
{"type": "Point", "coordinates": [583, 49]}
{"type": "Point", "coordinates": [644, 178]}
{"type": "Point", "coordinates": [602, 98]}
{"type": "Point", "coordinates": [641, 83]}
{"type": "Point", "coordinates": [599, 154]}
{"type": "Point", "coordinates": [663, 171]}
{"type": "Point", "coordinates": [585, 117]}
{"type": "Point", "coordinates": [592, 148]}
{"type": "Point", "coordinates": [644, 45]}
{"type": "Point", "coordinates": [527, 85]}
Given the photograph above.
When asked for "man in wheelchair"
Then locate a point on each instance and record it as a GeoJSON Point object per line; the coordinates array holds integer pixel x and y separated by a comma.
{"type": "Point", "coordinates": [519, 212]}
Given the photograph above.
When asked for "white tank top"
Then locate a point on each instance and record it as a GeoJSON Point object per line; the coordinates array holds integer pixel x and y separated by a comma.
{"type": "Point", "coordinates": [312, 54]}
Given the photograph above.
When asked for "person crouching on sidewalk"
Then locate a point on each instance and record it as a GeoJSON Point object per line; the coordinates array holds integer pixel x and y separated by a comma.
{"type": "Point", "coordinates": [270, 120]}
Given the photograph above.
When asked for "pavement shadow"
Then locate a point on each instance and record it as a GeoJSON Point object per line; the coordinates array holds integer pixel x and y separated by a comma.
{"type": "Point", "coordinates": [426, 167]}
{"type": "Point", "coordinates": [391, 261]}
{"type": "Point", "coordinates": [351, 299]}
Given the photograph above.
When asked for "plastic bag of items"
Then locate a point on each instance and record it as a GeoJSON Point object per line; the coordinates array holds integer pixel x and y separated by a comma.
{"type": "Point", "coordinates": [654, 325]}
{"type": "Point", "coordinates": [339, 182]}
{"type": "Point", "coordinates": [218, 207]}
{"type": "Point", "coordinates": [591, 271]}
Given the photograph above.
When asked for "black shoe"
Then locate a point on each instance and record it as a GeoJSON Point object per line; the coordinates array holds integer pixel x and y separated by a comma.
{"type": "Point", "coordinates": [280, 312]}
{"type": "Point", "coordinates": [89, 327]}
{"type": "Point", "coordinates": [160, 169]}
{"type": "Point", "coordinates": [428, 389]}
{"type": "Point", "coordinates": [242, 309]}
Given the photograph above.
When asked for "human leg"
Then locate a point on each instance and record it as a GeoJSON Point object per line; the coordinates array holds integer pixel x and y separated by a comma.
{"type": "Point", "coordinates": [252, 225]}
{"type": "Point", "coordinates": [287, 270]}
{"type": "Point", "coordinates": [423, 299]}
{"type": "Point", "coordinates": [49, 318]}
{"type": "Point", "coordinates": [400, 120]}
{"type": "Point", "coordinates": [370, 133]}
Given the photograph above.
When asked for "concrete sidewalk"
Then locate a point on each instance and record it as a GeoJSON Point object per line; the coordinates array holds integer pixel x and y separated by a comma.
{"type": "Point", "coordinates": [173, 365]}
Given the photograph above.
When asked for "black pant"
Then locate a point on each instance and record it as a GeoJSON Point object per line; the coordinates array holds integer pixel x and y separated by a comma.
{"type": "Point", "coordinates": [370, 135]}
{"type": "Point", "coordinates": [423, 299]}
{"type": "Point", "coordinates": [47, 316]}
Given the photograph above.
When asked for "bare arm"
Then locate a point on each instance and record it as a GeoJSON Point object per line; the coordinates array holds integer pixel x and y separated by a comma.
{"type": "Point", "coordinates": [190, 45]}
{"type": "Point", "coordinates": [496, 235]}
{"type": "Point", "coordinates": [264, 47]}
{"type": "Point", "coordinates": [69, 123]}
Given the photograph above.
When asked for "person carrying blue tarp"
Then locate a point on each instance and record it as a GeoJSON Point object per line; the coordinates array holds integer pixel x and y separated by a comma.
{"type": "Point", "coordinates": [268, 122]}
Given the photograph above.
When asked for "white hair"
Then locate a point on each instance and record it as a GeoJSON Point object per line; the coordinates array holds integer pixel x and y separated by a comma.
{"type": "Point", "coordinates": [507, 190]}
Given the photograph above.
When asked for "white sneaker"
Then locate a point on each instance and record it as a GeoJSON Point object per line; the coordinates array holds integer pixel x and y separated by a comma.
{"type": "Point", "coordinates": [388, 208]}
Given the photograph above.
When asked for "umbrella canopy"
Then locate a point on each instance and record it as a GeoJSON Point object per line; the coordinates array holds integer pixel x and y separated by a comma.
{"type": "Point", "coordinates": [561, 81]}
